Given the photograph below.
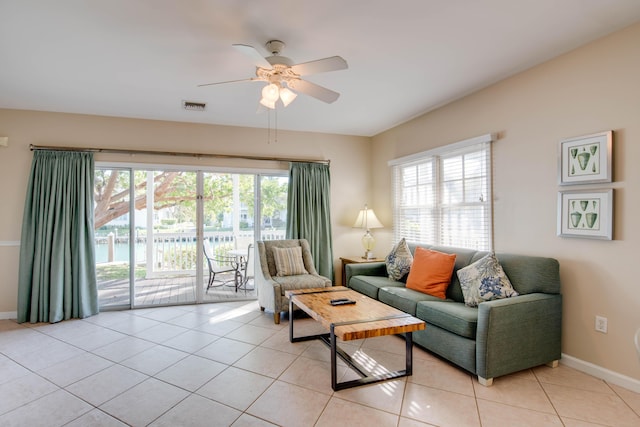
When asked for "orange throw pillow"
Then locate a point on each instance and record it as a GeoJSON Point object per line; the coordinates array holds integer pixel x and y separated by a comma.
{"type": "Point", "coordinates": [431, 272]}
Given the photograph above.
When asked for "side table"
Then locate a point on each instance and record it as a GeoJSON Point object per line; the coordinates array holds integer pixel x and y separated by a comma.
{"type": "Point", "coordinates": [355, 260]}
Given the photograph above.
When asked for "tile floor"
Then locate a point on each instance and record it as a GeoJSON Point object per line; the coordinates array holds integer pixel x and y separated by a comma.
{"type": "Point", "coordinates": [227, 364]}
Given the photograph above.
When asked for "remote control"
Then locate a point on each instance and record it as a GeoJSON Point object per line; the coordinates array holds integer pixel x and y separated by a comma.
{"type": "Point", "coordinates": [339, 300]}
{"type": "Point", "coordinates": [343, 302]}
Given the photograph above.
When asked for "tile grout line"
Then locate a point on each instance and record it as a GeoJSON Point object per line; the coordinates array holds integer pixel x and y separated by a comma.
{"type": "Point", "coordinates": [59, 337]}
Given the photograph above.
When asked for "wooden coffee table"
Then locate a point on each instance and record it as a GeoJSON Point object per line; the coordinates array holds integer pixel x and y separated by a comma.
{"type": "Point", "coordinates": [366, 319]}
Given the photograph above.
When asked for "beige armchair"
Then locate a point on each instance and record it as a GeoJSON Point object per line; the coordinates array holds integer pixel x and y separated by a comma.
{"type": "Point", "coordinates": [271, 287]}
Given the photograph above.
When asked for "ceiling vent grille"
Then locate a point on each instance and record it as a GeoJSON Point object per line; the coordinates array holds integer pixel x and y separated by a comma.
{"type": "Point", "coordinates": [194, 106]}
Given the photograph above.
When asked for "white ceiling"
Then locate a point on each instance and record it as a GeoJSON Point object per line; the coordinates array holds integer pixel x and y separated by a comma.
{"type": "Point", "coordinates": [142, 58]}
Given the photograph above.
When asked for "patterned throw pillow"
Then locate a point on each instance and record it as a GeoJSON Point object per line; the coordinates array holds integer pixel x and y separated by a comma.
{"type": "Point", "coordinates": [289, 261]}
{"type": "Point", "coordinates": [399, 260]}
{"type": "Point", "coordinates": [484, 280]}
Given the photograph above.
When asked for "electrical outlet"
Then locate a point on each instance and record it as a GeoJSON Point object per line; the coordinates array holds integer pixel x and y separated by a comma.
{"type": "Point", "coordinates": [601, 324]}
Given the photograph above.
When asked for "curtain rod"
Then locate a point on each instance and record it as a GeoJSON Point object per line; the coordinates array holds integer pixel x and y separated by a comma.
{"type": "Point", "coordinates": [174, 153]}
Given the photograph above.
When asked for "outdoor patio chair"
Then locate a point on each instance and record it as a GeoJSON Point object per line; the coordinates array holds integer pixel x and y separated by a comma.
{"type": "Point", "coordinates": [221, 266]}
{"type": "Point", "coordinates": [271, 283]}
{"type": "Point", "coordinates": [248, 267]}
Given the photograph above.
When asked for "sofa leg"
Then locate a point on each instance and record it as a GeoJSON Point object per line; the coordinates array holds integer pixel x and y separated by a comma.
{"type": "Point", "coordinates": [261, 308]}
{"type": "Point", "coordinates": [553, 364]}
{"type": "Point", "coordinates": [276, 318]}
{"type": "Point", "coordinates": [487, 382]}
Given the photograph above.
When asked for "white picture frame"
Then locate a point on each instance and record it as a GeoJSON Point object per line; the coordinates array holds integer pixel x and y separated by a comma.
{"type": "Point", "coordinates": [586, 159]}
{"type": "Point", "coordinates": [586, 213]}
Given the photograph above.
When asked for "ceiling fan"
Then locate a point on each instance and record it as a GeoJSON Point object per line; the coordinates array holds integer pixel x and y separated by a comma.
{"type": "Point", "coordinates": [284, 77]}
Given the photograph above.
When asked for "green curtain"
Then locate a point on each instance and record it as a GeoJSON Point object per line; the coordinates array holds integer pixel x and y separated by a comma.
{"type": "Point", "coordinates": [57, 277]}
{"type": "Point", "coordinates": [309, 213]}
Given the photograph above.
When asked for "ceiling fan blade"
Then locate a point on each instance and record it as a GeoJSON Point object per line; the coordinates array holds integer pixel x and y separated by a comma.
{"type": "Point", "coordinates": [332, 63]}
{"type": "Point", "coordinates": [231, 81]}
{"type": "Point", "coordinates": [252, 53]}
{"type": "Point", "coordinates": [314, 90]}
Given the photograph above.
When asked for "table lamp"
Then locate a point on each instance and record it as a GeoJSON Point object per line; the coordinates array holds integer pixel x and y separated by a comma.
{"type": "Point", "coordinates": [367, 219]}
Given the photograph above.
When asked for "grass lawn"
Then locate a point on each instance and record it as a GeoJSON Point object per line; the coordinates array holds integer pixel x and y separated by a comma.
{"type": "Point", "coordinates": [117, 271]}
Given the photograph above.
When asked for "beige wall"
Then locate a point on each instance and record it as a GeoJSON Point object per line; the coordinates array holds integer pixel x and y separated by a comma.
{"type": "Point", "coordinates": [592, 89]}
{"type": "Point", "coordinates": [349, 156]}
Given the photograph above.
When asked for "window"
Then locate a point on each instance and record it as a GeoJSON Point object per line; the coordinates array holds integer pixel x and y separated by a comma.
{"type": "Point", "coordinates": [443, 196]}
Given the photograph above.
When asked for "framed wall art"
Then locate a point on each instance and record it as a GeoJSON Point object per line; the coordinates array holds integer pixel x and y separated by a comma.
{"type": "Point", "coordinates": [586, 159]}
{"type": "Point", "coordinates": [587, 213]}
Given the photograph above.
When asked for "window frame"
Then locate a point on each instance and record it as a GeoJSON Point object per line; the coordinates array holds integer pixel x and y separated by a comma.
{"type": "Point", "coordinates": [427, 192]}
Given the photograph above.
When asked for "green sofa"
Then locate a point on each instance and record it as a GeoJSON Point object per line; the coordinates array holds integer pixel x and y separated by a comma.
{"type": "Point", "coordinates": [496, 338]}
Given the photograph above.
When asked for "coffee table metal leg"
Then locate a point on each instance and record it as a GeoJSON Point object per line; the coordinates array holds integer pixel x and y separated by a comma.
{"type": "Point", "coordinates": [366, 377]}
{"type": "Point", "coordinates": [302, 338]}
{"type": "Point", "coordinates": [334, 369]}
{"type": "Point", "coordinates": [290, 319]}
{"type": "Point", "coordinates": [409, 353]}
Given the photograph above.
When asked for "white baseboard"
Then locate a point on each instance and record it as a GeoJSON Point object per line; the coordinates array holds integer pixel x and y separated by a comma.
{"type": "Point", "coordinates": [602, 373]}
{"type": "Point", "coordinates": [4, 315]}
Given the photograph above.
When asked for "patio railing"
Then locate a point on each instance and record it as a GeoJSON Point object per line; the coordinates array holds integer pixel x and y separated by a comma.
{"type": "Point", "coordinates": [175, 252]}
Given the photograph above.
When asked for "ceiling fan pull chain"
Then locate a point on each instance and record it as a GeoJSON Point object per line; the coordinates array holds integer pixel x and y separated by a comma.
{"type": "Point", "coordinates": [268, 127]}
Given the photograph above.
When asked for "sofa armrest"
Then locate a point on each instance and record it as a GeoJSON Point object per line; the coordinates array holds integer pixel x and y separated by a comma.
{"type": "Point", "coordinates": [364, 269]}
{"type": "Point", "coordinates": [518, 333]}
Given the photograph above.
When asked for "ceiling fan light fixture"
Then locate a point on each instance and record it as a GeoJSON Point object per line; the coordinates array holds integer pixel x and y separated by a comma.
{"type": "Point", "coordinates": [268, 103]}
{"type": "Point", "coordinates": [287, 96]}
{"type": "Point", "coordinates": [281, 74]}
{"type": "Point", "coordinates": [271, 92]}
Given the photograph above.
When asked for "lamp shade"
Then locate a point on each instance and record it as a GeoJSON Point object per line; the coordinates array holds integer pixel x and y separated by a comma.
{"type": "Point", "coordinates": [270, 92]}
{"type": "Point", "coordinates": [367, 219]}
{"type": "Point", "coordinates": [268, 103]}
{"type": "Point", "coordinates": [287, 96]}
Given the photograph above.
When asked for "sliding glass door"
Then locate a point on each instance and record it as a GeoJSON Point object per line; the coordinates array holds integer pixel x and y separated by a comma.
{"type": "Point", "coordinates": [112, 221]}
{"type": "Point", "coordinates": [228, 235]}
{"type": "Point", "coordinates": [272, 207]}
{"type": "Point", "coordinates": [149, 257]}
{"type": "Point", "coordinates": [154, 227]}
{"type": "Point", "coordinates": [166, 231]}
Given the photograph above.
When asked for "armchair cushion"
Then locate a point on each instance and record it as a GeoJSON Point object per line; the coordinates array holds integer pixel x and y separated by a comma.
{"type": "Point", "coordinates": [289, 261]}
{"type": "Point", "coordinates": [301, 281]}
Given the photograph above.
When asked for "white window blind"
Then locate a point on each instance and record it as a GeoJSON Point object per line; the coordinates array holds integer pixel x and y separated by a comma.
{"type": "Point", "coordinates": [443, 196]}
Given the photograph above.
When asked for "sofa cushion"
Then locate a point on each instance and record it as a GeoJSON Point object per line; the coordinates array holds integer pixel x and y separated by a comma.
{"type": "Point", "coordinates": [452, 316]}
{"type": "Point", "coordinates": [301, 281]}
{"type": "Point", "coordinates": [289, 261]}
{"type": "Point", "coordinates": [484, 280]}
{"type": "Point", "coordinates": [404, 299]}
{"type": "Point", "coordinates": [369, 285]}
{"type": "Point", "coordinates": [431, 272]}
{"type": "Point", "coordinates": [399, 260]}
{"type": "Point", "coordinates": [531, 274]}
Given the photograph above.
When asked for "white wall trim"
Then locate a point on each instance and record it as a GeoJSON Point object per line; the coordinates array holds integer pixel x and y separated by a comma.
{"type": "Point", "coordinates": [602, 373]}
{"type": "Point", "coordinates": [5, 315]}
{"type": "Point", "coordinates": [490, 137]}
{"type": "Point", "coordinates": [9, 242]}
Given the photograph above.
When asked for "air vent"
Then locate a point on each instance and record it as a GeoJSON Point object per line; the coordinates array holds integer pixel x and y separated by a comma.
{"type": "Point", "coordinates": [194, 106]}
